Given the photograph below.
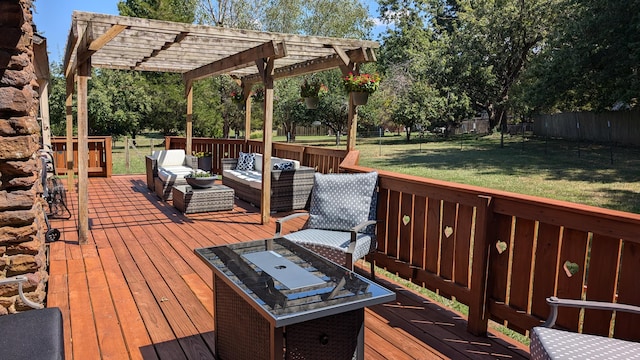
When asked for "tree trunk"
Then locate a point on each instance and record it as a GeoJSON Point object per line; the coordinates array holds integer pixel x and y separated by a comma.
{"type": "Point", "coordinates": [225, 128]}
{"type": "Point", "coordinates": [408, 132]}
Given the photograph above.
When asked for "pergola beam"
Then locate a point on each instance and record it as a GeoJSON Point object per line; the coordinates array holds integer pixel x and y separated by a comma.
{"type": "Point", "coordinates": [84, 53]}
{"type": "Point", "coordinates": [103, 39]}
{"type": "Point", "coordinates": [270, 49]}
{"type": "Point", "coordinates": [71, 58]}
{"type": "Point", "coordinates": [361, 55]}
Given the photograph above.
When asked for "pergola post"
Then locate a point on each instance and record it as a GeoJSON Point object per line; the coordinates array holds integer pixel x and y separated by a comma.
{"type": "Point", "coordinates": [69, 117]}
{"type": "Point", "coordinates": [246, 93]}
{"type": "Point", "coordinates": [352, 119]}
{"type": "Point", "coordinates": [265, 67]}
{"type": "Point", "coordinates": [41, 65]}
{"type": "Point", "coordinates": [352, 124]}
{"type": "Point", "coordinates": [84, 71]}
{"type": "Point", "coordinates": [44, 112]}
{"type": "Point", "coordinates": [189, 126]}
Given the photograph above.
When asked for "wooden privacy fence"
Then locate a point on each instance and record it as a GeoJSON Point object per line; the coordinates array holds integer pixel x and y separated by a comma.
{"type": "Point", "coordinates": [503, 254]}
{"type": "Point", "coordinates": [322, 159]}
{"type": "Point", "coordinates": [100, 160]}
{"type": "Point", "coordinates": [622, 127]}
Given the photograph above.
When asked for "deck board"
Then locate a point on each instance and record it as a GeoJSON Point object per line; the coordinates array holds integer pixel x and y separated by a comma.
{"type": "Point", "coordinates": [137, 290]}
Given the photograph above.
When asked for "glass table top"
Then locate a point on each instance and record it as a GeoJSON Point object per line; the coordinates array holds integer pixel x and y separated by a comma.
{"type": "Point", "coordinates": [288, 283]}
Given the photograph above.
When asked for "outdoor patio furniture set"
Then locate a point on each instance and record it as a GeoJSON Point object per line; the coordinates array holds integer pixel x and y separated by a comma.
{"type": "Point", "coordinates": [166, 168]}
{"type": "Point", "coordinates": [291, 183]}
{"type": "Point", "coordinates": [342, 216]}
{"type": "Point", "coordinates": [262, 287]}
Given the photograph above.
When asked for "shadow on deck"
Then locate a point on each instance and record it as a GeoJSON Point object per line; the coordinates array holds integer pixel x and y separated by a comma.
{"type": "Point", "coordinates": [136, 290]}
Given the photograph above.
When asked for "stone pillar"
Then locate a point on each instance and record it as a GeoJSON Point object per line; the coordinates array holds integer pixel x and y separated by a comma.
{"type": "Point", "coordinates": [22, 222]}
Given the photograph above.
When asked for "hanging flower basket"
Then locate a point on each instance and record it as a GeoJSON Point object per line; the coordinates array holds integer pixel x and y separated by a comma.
{"type": "Point", "coordinates": [360, 86]}
{"type": "Point", "coordinates": [238, 99]}
{"type": "Point", "coordinates": [310, 91]}
{"type": "Point", "coordinates": [312, 102]}
{"type": "Point", "coordinates": [258, 95]}
{"type": "Point", "coordinates": [359, 98]}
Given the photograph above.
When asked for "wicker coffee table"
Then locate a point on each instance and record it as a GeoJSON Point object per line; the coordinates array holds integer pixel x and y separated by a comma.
{"type": "Point", "coordinates": [265, 289]}
{"type": "Point", "coordinates": [191, 200]}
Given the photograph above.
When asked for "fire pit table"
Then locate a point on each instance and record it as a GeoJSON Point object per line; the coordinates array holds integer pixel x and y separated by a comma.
{"type": "Point", "coordinates": [265, 289]}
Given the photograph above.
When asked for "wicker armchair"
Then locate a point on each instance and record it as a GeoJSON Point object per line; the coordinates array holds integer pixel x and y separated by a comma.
{"type": "Point", "coordinates": [549, 343]}
{"type": "Point", "coordinates": [166, 168]}
{"type": "Point", "coordinates": [342, 218]}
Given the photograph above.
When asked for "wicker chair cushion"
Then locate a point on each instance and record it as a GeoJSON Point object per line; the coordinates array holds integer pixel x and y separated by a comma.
{"type": "Point", "coordinates": [245, 161]}
{"type": "Point", "coordinates": [250, 178]}
{"type": "Point", "coordinates": [171, 173]}
{"type": "Point", "coordinates": [332, 244]}
{"type": "Point", "coordinates": [548, 343]}
{"type": "Point", "coordinates": [173, 157]}
{"type": "Point", "coordinates": [342, 201]}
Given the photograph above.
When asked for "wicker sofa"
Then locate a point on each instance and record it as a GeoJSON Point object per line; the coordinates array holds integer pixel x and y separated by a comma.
{"type": "Point", "coordinates": [166, 168]}
{"type": "Point", "coordinates": [290, 189]}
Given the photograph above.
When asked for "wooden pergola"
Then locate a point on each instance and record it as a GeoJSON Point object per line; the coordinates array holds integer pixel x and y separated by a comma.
{"type": "Point", "coordinates": [196, 52]}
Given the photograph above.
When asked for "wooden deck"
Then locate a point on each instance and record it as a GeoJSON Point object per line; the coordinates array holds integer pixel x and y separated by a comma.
{"type": "Point", "coordinates": [138, 291]}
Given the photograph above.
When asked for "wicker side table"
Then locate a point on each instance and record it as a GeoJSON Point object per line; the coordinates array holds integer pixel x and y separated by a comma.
{"type": "Point", "coordinates": [190, 200]}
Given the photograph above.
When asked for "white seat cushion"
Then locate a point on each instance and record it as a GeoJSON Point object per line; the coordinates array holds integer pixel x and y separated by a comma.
{"type": "Point", "coordinates": [257, 162]}
{"type": "Point", "coordinates": [173, 172]}
{"type": "Point", "coordinates": [250, 178]}
{"type": "Point", "coordinates": [168, 158]}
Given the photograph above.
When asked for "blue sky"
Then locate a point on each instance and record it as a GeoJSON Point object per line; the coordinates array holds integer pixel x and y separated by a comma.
{"type": "Point", "coordinates": [53, 19]}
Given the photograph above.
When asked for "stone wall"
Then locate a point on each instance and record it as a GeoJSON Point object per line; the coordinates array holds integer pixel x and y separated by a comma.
{"type": "Point", "coordinates": [22, 225]}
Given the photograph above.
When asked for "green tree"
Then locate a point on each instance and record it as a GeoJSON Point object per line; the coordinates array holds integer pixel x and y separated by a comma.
{"type": "Point", "coordinates": [288, 108]}
{"type": "Point", "coordinates": [591, 61]}
{"type": "Point", "coordinates": [167, 101]}
{"type": "Point", "coordinates": [475, 50]}
{"type": "Point", "coordinates": [332, 111]}
{"type": "Point", "coordinates": [337, 18]}
{"type": "Point", "coordinates": [118, 103]}
{"type": "Point", "coordinates": [231, 13]}
{"type": "Point", "coordinates": [57, 101]}
{"type": "Point", "coordinates": [171, 10]}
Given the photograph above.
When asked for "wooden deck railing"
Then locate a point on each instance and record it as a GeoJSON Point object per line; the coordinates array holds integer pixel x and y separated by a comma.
{"type": "Point", "coordinates": [323, 159]}
{"type": "Point", "coordinates": [462, 240]}
{"type": "Point", "coordinates": [500, 253]}
{"type": "Point", "coordinates": [100, 163]}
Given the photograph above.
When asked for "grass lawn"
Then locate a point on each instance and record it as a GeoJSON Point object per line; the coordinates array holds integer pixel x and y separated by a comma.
{"type": "Point", "coordinates": [571, 171]}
